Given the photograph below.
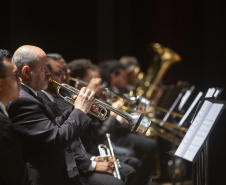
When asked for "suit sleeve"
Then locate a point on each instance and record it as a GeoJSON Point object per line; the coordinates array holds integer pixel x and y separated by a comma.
{"type": "Point", "coordinates": [32, 120]}
{"type": "Point", "coordinates": [12, 169]}
{"type": "Point", "coordinates": [82, 158]}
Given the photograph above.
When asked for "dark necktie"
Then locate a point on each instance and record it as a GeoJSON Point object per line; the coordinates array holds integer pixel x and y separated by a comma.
{"type": "Point", "coordinates": [47, 107]}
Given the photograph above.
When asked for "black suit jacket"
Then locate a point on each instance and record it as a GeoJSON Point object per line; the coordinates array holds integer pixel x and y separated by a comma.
{"type": "Point", "coordinates": [53, 106]}
{"type": "Point", "coordinates": [81, 156]}
{"type": "Point", "coordinates": [44, 142]}
{"type": "Point", "coordinates": [12, 167]}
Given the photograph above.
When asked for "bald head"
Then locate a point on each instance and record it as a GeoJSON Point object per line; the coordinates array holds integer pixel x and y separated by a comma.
{"type": "Point", "coordinates": [27, 55]}
{"type": "Point", "coordinates": [31, 62]}
{"type": "Point", "coordinates": [33, 49]}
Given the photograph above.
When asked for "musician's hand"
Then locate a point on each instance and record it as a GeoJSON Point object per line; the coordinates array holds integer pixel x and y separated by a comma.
{"type": "Point", "coordinates": [150, 109]}
{"type": "Point", "coordinates": [104, 167]}
{"type": "Point", "coordinates": [96, 86]}
{"type": "Point", "coordinates": [98, 159]}
{"type": "Point", "coordinates": [118, 105]}
{"type": "Point", "coordinates": [84, 100]}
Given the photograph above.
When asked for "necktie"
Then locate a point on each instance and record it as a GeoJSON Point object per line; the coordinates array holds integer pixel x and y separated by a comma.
{"type": "Point", "coordinates": [48, 108]}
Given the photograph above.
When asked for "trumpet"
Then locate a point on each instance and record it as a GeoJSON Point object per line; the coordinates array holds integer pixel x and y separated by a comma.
{"type": "Point", "coordinates": [79, 81]}
{"type": "Point", "coordinates": [107, 154]}
{"type": "Point", "coordinates": [137, 121]}
{"type": "Point", "coordinates": [134, 103]}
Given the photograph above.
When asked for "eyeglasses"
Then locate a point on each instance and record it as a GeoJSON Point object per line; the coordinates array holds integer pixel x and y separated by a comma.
{"type": "Point", "coordinates": [16, 75]}
{"type": "Point", "coordinates": [59, 74]}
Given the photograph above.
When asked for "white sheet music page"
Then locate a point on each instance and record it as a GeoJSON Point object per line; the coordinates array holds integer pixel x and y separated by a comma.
{"type": "Point", "coordinates": [190, 108]}
{"type": "Point", "coordinates": [198, 130]}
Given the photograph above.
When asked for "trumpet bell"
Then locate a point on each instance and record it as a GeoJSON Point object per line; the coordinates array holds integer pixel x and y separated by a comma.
{"type": "Point", "coordinates": [139, 123]}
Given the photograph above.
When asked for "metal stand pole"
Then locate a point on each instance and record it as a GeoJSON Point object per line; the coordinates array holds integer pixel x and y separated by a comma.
{"type": "Point", "coordinates": [206, 165]}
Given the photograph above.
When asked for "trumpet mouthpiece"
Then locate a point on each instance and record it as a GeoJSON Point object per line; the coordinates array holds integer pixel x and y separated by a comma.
{"type": "Point", "coordinates": [50, 80]}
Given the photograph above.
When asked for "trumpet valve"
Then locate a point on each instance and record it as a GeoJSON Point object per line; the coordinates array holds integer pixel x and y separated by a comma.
{"type": "Point", "coordinates": [118, 163]}
{"type": "Point", "coordinates": [111, 159]}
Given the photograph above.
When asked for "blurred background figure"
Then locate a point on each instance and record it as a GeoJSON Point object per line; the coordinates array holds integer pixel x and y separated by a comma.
{"type": "Point", "coordinates": [130, 63]}
{"type": "Point", "coordinates": [62, 61]}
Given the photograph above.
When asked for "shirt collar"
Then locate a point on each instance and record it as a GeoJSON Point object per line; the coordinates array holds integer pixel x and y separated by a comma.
{"type": "Point", "coordinates": [2, 107]}
{"type": "Point", "coordinates": [31, 89]}
{"type": "Point", "coordinates": [48, 95]}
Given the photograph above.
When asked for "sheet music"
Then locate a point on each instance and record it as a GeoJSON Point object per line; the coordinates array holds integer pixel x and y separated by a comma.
{"type": "Point", "coordinates": [184, 99]}
{"type": "Point", "coordinates": [210, 92]}
{"type": "Point", "coordinates": [198, 130]}
{"type": "Point", "coordinates": [171, 109]}
{"type": "Point", "coordinates": [190, 108]}
{"type": "Point", "coordinates": [216, 93]}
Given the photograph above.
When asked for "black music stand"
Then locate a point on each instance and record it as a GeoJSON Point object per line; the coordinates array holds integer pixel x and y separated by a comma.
{"type": "Point", "coordinates": [194, 146]}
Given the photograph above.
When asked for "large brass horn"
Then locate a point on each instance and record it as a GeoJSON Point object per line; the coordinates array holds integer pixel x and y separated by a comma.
{"type": "Point", "coordinates": [168, 57]}
{"type": "Point", "coordinates": [138, 121]}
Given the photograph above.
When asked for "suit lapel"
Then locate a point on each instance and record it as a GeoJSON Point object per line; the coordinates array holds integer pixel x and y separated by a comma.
{"type": "Point", "coordinates": [48, 110]}
{"type": "Point", "coordinates": [51, 104]}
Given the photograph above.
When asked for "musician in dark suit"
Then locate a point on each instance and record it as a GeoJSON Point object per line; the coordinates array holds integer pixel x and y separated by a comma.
{"type": "Point", "coordinates": [45, 138]}
{"type": "Point", "coordinates": [92, 171]}
{"type": "Point", "coordinates": [12, 167]}
{"type": "Point", "coordinates": [144, 147]}
{"type": "Point", "coordinates": [130, 63]}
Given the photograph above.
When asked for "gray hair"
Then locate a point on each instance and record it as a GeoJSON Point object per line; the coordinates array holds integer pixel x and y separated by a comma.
{"type": "Point", "coordinates": [24, 58]}
{"type": "Point", "coordinates": [129, 62]}
{"type": "Point", "coordinates": [55, 56]}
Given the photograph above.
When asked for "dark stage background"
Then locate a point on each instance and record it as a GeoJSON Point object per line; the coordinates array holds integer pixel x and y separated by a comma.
{"type": "Point", "coordinates": [108, 29]}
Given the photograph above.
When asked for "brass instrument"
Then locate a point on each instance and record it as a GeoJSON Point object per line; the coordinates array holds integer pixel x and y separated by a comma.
{"type": "Point", "coordinates": [175, 114]}
{"type": "Point", "coordinates": [107, 154]}
{"type": "Point", "coordinates": [168, 57]}
{"type": "Point", "coordinates": [138, 121]}
{"type": "Point", "coordinates": [79, 81]}
{"type": "Point", "coordinates": [168, 131]}
{"type": "Point", "coordinates": [148, 83]}
{"type": "Point", "coordinates": [134, 103]}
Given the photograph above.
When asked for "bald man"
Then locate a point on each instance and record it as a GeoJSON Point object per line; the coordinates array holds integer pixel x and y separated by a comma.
{"type": "Point", "coordinates": [45, 138]}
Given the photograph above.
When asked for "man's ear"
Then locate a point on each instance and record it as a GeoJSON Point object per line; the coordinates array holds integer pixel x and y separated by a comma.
{"type": "Point", "coordinates": [26, 71]}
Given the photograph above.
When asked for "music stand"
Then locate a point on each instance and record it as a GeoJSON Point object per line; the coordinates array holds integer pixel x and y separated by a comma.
{"type": "Point", "coordinates": [194, 146]}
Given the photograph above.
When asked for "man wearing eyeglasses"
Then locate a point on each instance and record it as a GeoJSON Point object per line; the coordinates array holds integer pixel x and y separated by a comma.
{"type": "Point", "coordinates": [12, 167]}
{"type": "Point", "coordinates": [45, 137]}
{"type": "Point", "coordinates": [91, 170]}
{"type": "Point", "coordinates": [57, 75]}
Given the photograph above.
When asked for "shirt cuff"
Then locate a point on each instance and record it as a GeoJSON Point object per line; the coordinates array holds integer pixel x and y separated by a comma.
{"type": "Point", "coordinates": [92, 166]}
{"type": "Point", "coordinates": [119, 118]}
